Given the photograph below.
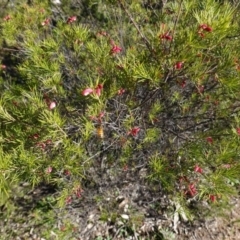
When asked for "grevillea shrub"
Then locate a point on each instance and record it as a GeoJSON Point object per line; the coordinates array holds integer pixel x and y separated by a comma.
{"type": "Point", "coordinates": [142, 84]}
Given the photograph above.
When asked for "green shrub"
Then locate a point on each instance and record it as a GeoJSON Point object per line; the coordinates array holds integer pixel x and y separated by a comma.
{"type": "Point", "coordinates": [162, 86]}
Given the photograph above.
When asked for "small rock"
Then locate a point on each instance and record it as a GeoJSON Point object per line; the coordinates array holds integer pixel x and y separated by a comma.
{"type": "Point", "coordinates": [123, 204]}
{"type": "Point", "coordinates": [120, 198]}
{"type": "Point", "coordinates": [90, 225]}
{"type": "Point", "coordinates": [91, 217]}
{"type": "Point", "coordinates": [34, 236]}
{"type": "Point", "coordinates": [124, 216]}
{"type": "Point", "coordinates": [119, 223]}
{"type": "Point", "coordinates": [31, 231]}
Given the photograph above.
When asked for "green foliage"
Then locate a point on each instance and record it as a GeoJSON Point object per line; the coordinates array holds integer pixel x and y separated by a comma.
{"type": "Point", "coordinates": [165, 90]}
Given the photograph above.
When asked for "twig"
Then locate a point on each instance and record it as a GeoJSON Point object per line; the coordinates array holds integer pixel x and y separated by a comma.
{"type": "Point", "coordinates": [99, 152]}
{"type": "Point", "coordinates": [176, 21]}
{"type": "Point", "coordinates": [136, 26]}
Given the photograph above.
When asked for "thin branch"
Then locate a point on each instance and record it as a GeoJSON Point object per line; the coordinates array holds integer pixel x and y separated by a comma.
{"type": "Point", "coordinates": [176, 21]}
{"type": "Point", "coordinates": [136, 26]}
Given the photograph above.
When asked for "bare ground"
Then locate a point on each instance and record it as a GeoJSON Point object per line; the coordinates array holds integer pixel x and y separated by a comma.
{"type": "Point", "coordinates": [114, 207]}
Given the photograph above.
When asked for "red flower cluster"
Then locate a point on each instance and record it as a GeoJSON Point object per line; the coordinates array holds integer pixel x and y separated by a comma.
{"type": "Point", "coordinates": [77, 192]}
{"type": "Point", "coordinates": [202, 28]}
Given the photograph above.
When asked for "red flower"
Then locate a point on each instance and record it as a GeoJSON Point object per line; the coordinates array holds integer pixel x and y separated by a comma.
{"type": "Point", "coordinates": [183, 84]}
{"type": "Point", "coordinates": [41, 145]}
{"type": "Point", "coordinates": [198, 169]}
{"type": "Point", "coordinates": [121, 91]}
{"type": "Point", "coordinates": [48, 141]}
{"type": "Point", "coordinates": [101, 115]}
{"type": "Point", "coordinates": [46, 22]}
{"type": "Point", "coordinates": [205, 27]}
{"type": "Point", "coordinates": [35, 136]}
{"type": "Point", "coordinates": [78, 192]}
{"type": "Point", "coordinates": [200, 88]}
{"type": "Point", "coordinates": [98, 89]}
{"type": "Point", "coordinates": [52, 105]}
{"type": "Point", "coordinates": [115, 49]}
{"type": "Point", "coordinates": [49, 170]}
{"type": "Point", "coordinates": [68, 200]}
{"type": "Point", "coordinates": [67, 172]}
{"type": "Point", "coordinates": [87, 91]}
{"type": "Point", "coordinates": [178, 65]}
{"type": "Point", "coordinates": [201, 34]}
{"type": "Point", "coordinates": [209, 139]}
{"type": "Point", "coordinates": [166, 36]}
{"type": "Point", "coordinates": [192, 190]}
{"type": "Point", "coordinates": [71, 19]}
{"type": "Point", "coordinates": [238, 131]}
{"type": "Point", "coordinates": [212, 198]}
{"type": "Point", "coordinates": [134, 131]}
{"type": "Point", "coordinates": [7, 18]}
{"type": "Point", "coordinates": [3, 67]}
